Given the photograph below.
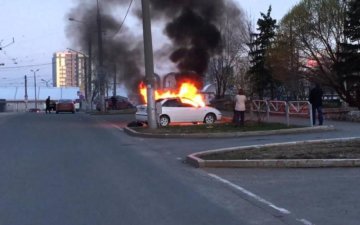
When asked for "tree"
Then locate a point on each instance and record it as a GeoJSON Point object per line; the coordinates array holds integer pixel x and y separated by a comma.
{"type": "Point", "coordinates": [260, 75]}
{"type": "Point", "coordinates": [284, 63]}
{"type": "Point", "coordinates": [348, 67]}
{"type": "Point", "coordinates": [318, 28]}
{"type": "Point", "coordinates": [224, 66]}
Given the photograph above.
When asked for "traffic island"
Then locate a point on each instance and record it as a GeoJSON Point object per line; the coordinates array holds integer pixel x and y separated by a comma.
{"type": "Point", "coordinates": [221, 131]}
{"type": "Point", "coordinates": [341, 152]}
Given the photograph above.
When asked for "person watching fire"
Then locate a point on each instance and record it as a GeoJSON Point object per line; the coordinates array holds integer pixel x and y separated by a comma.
{"type": "Point", "coordinates": [239, 110]}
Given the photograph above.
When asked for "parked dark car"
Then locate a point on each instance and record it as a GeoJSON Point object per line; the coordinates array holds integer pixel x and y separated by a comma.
{"type": "Point", "coordinates": [116, 103]}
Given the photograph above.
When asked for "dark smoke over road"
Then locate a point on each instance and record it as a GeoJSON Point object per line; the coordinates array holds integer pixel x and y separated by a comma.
{"type": "Point", "coordinates": [192, 26]}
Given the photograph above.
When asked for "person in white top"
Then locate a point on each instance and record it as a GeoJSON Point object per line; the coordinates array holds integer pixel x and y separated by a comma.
{"type": "Point", "coordinates": [239, 110]}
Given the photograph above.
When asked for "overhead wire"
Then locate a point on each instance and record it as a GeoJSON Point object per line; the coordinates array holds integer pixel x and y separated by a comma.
{"type": "Point", "coordinates": [18, 67]}
{"type": "Point", "coordinates": [123, 21]}
{"type": "Point", "coordinates": [44, 64]}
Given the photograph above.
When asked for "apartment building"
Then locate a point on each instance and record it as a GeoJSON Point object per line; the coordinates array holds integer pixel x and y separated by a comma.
{"type": "Point", "coordinates": [69, 70]}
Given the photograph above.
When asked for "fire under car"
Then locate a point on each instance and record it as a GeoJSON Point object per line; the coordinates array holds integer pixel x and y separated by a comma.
{"type": "Point", "coordinates": [179, 110]}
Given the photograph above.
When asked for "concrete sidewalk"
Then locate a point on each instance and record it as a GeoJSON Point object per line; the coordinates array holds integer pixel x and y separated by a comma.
{"type": "Point", "coordinates": [300, 121]}
{"type": "Point", "coordinates": [296, 120]}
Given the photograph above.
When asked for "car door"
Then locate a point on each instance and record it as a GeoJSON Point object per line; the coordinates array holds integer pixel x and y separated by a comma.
{"type": "Point", "coordinates": [173, 108]}
{"type": "Point", "coordinates": [191, 112]}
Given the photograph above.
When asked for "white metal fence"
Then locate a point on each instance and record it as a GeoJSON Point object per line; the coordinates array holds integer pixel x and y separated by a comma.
{"type": "Point", "coordinates": [286, 108]}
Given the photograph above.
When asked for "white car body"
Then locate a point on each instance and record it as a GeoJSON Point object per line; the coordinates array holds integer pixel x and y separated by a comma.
{"type": "Point", "coordinates": [179, 111]}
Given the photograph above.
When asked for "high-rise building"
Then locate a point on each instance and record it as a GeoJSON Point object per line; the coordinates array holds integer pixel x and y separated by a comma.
{"type": "Point", "coordinates": [69, 69]}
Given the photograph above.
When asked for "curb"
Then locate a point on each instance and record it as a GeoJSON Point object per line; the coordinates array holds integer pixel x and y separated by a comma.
{"type": "Point", "coordinates": [132, 132]}
{"type": "Point", "coordinates": [196, 161]}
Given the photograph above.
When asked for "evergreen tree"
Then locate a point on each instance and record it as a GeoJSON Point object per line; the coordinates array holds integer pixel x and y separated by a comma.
{"type": "Point", "coordinates": [348, 65]}
{"type": "Point", "coordinates": [260, 74]}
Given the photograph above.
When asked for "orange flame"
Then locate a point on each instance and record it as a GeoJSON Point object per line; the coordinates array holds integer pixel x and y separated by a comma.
{"type": "Point", "coordinates": [187, 90]}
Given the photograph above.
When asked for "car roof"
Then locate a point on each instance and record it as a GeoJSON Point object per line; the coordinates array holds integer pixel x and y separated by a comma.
{"type": "Point", "coordinates": [170, 98]}
{"type": "Point", "coordinates": [162, 100]}
{"type": "Point", "coordinates": [65, 100]}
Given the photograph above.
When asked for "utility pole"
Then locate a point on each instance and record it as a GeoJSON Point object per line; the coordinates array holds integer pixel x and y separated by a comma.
{"type": "Point", "coordinates": [114, 85]}
{"type": "Point", "coordinates": [100, 58]}
{"type": "Point", "coordinates": [34, 71]}
{"type": "Point", "coordinates": [149, 65]}
{"type": "Point", "coordinates": [26, 95]}
{"type": "Point", "coordinates": [89, 79]}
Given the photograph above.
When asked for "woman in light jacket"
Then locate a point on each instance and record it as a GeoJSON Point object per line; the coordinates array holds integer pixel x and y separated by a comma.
{"type": "Point", "coordinates": [239, 110]}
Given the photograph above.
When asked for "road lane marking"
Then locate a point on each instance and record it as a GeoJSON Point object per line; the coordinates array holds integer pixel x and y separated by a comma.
{"type": "Point", "coordinates": [258, 198]}
{"type": "Point", "coordinates": [248, 193]}
{"type": "Point", "coordinates": [117, 127]}
{"type": "Point", "coordinates": [306, 222]}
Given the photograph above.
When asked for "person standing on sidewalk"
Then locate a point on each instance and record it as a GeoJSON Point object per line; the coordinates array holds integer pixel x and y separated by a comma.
{"type": "Point", "coordinates": [47, 105]}
{"type": "Point", "coordinates": [239, 110]}
{"type": "Point", "coordinates": [315, 98]}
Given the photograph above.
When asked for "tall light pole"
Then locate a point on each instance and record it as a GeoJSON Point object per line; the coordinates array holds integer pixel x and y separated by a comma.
{"type": "Point", "coordinates": [86, 70]}
{"type": "Point", "coordinates": [88, 78]}
{"type": "Point", "coordinates": [34, 71]}
{"type": "Point", "coordinates": [149, 65]}
{"type": "Point", "coordinates": [46, 82]}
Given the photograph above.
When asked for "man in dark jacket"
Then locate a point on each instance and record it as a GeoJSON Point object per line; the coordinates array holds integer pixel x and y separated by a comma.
{"type": "Point", "coordinates": [315, 98]}
{"type": "Point", "coordinates": [47, 103]}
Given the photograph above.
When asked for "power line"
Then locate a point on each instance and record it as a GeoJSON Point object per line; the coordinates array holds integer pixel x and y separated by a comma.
{"type": "Point", "coordinates": [122, 23]}
{"type": "Point", "coordinates": [2, 47]}
{"type": "Point", "coordinates": [18, 67]}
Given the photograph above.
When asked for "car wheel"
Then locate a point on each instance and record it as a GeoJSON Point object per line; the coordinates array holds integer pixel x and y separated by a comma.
{"type": "Point", "coordinates": [164, 121]}
{"type": "Point", "coordinates": [210, 118]}
{"type": "Point", "coordinates": [57, 112]}
{"type": "Point", "coordinates": [73, 112]}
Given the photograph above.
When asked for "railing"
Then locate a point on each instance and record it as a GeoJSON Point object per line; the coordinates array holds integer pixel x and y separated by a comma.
{"type": "Point", "coordinates": [260, 106]}
{"type": "Point", "coordinates": [282, 108]}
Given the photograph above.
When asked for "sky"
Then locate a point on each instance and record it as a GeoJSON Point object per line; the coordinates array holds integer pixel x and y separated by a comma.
{"type": "Point", "coordinates": [32, 30]}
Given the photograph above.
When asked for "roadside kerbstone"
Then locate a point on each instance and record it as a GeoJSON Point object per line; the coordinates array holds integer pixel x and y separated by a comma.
{"type": "Point", "coordinates": [196, 159]}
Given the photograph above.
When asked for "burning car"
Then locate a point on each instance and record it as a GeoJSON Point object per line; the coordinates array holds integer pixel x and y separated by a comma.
{"type": "Point", "coordinates": [179, 110]}
{"type": "Point", "coordinates": [183, 105]}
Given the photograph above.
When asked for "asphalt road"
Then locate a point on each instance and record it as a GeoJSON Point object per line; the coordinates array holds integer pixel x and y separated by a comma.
{"type": "Point", "coordinates": [81, 169]}
{"type": "Point", "coordinates": [313, 196]}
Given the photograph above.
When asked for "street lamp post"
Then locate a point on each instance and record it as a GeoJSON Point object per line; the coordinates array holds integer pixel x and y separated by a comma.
{"type": "Point", "coordinates": [34, 71]}
{"type": "Point", "coordinates": [46, 82]}
{"type": "Point", "coordinates": [88, 56]}
{"type": "Point", "coordinates": [87, 70]}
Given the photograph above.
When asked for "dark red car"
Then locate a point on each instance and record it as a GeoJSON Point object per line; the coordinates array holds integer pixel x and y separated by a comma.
{"type": "Point", "coordinates": [116, 103]}
{"type": "Point", "coordinates": [65, 105]}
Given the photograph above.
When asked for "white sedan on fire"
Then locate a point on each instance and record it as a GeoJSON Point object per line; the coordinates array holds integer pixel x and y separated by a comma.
{"type": "Point", "coordinates": [179, 110]}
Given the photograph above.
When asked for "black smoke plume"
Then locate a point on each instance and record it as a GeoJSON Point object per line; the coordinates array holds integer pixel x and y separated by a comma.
{"type": "Point", "coordinates": [122, 51]}
{"type": "Point", "coordinates": [190, 25]}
